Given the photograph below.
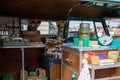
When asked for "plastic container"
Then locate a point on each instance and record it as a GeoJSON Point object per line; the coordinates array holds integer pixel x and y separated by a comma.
{"type": "Point", "coordinates": [95, 60]}
{"type": "Point", "coordinates": [76, 41]}
{"type": "Point", "coordinates": [84, 30]}
{"type": "Point", "coordinates": [85, 42]}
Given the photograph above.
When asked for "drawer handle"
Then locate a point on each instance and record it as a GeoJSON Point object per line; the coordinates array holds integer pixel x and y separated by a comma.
{"type": "Point", "coordinates": [68, 60]}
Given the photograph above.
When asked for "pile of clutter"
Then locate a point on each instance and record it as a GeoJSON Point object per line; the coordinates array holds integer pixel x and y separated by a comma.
{"type": "Point", "coordinates": [36, 74]}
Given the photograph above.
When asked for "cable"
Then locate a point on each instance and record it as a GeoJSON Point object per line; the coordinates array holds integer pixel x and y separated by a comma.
{"type": "Point", "coordinates": [70, 10]}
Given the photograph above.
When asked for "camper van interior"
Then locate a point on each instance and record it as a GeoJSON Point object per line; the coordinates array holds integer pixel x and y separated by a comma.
{"type": "Point", "coordinates": [34, 34]}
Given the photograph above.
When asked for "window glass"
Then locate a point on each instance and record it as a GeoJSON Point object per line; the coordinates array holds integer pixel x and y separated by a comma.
{"type": "Point", "coordinates": [100, 29]}
{"type": "Point", "coordinates": [74, 27]}
{"type": "Point", "coordinates": [53, 30]}
{"type": "Point", "coordinates": [44, 28]}
{"type": "Point", "coordinates": [24, 27]}
{"type": "Point", "coordinates": [24, 24]}
{"type": "Point", "coordinates": [48, 28]}
{"type": "Point", "coordinates": [113, 27]}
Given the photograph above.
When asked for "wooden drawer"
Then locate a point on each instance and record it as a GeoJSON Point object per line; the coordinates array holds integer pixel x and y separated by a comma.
{"type": "Point", "coordinates": [67, 72]}
{"type": "Point", "coordinates": [71, 58]}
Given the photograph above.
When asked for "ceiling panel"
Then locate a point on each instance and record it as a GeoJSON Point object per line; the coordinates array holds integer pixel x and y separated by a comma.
{"type": "Point", "coordinates": [49, 9]}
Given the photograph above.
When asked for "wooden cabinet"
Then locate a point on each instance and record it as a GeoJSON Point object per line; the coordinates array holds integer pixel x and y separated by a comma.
{"type": "Point", "coordinates": [55, 72]}
{"type": "Point", "coordinates": [72, 63]}
{"type": "Point", "coordinates": [67, 71]}
{"type": "Point", "coordinates": [71, 58]}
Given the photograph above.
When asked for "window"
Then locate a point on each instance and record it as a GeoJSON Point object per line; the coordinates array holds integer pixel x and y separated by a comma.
{"type": "Point", "coordinates": [74, 27]}
{"type": "Point", "coordinates": [45, 27]}
{"type": "Point", "coordinates": [100, 29]}
{"type": "Point", "coordinates": [113, 26]}
{"type": "Point", "coordinates": [48, 28]}
{"type": "Point", "coordinates": [24, 25]}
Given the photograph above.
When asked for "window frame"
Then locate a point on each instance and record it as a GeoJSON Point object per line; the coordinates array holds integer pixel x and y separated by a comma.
{"type": "Point", "coordinates": [102, 20]}
{"type": "Point", "coordinates": [42, 35]}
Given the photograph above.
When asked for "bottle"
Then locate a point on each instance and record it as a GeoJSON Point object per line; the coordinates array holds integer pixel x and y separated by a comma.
{"type": "Point", "coordinates": [73, 76]}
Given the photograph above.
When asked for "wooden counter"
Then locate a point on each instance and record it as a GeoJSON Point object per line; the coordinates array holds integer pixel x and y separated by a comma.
{"type": "Point", "coordinates": [72, 63]}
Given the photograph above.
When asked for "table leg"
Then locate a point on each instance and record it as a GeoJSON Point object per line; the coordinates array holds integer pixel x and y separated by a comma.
{"type": "Point", "coordinates": [93, 74]}
{"type": "Point", "coordinates": [23, 75]}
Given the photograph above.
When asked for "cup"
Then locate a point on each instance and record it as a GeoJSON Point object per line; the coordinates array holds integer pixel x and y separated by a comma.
{"type": "Point", "coordinates": [85, 42]}
{"type": "Point", "coordinates": [76, 41]}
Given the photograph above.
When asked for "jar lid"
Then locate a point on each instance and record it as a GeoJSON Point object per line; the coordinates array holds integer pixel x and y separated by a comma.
{"type": "Point", "coordinates": [84, 25]}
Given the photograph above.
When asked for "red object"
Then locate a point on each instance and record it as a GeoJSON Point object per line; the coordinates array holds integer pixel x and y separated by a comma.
{"type": "Point", "coordinates": [87, 55]}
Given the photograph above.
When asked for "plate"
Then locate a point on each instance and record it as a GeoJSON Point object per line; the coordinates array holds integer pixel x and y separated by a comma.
{"type": "Point", "coordinates": [105, 40]}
